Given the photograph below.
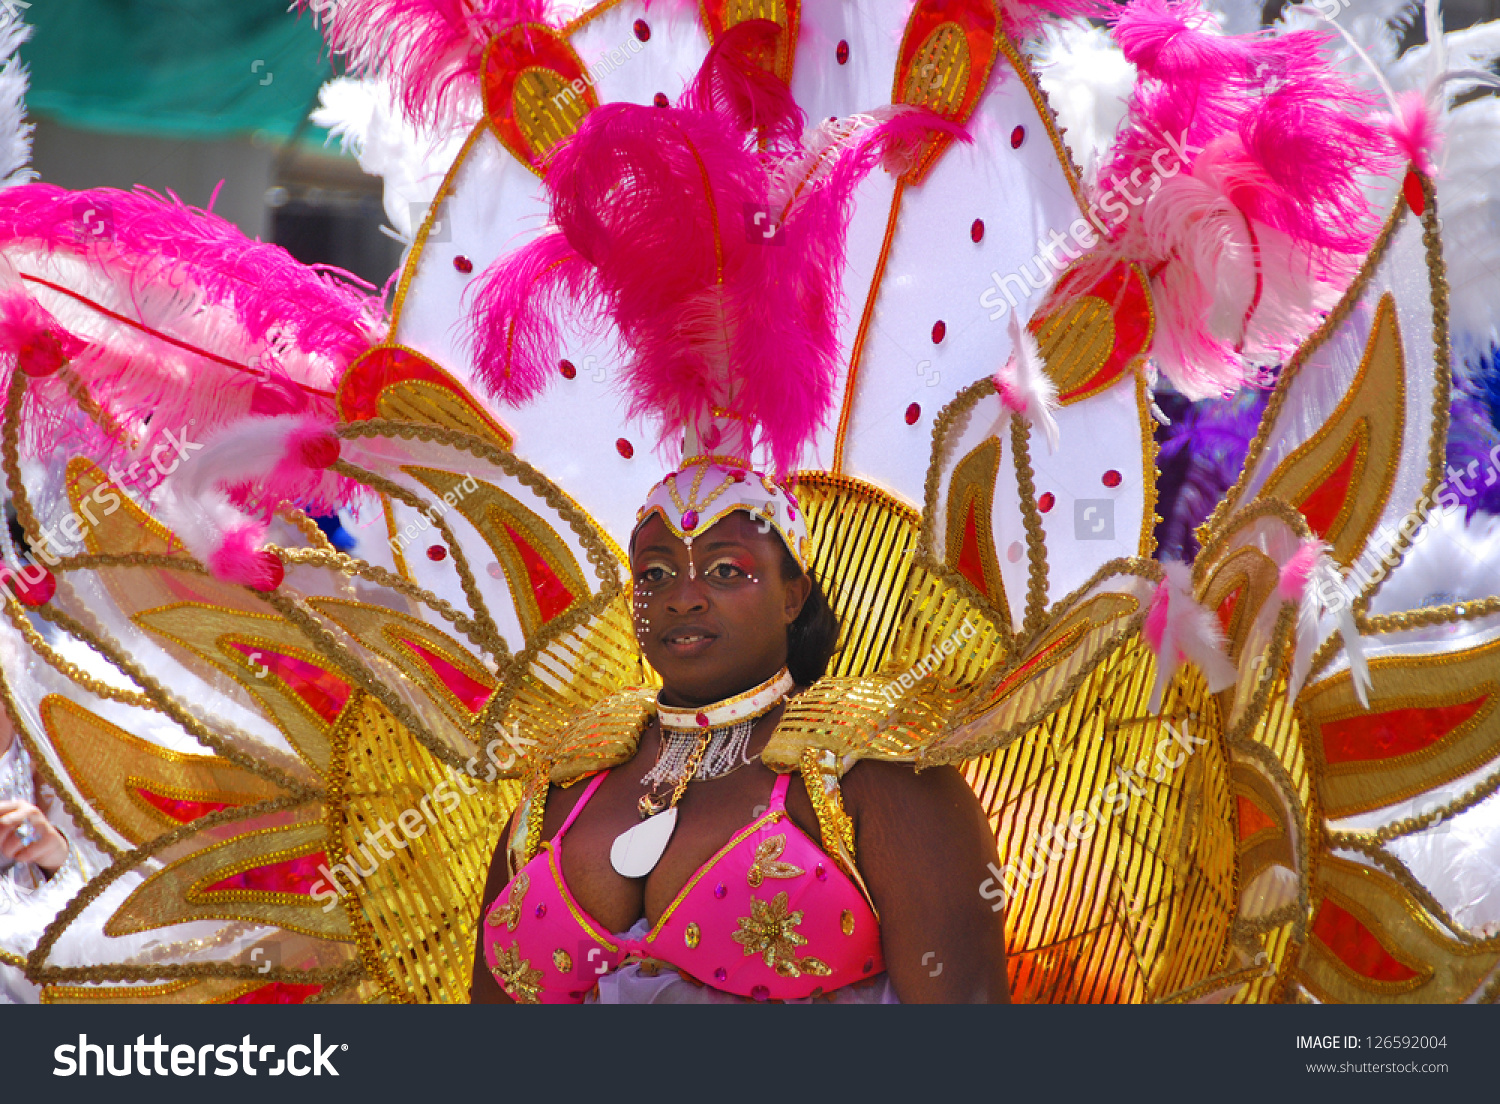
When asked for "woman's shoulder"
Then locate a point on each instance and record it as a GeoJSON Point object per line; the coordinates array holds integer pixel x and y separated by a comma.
{"type": "Point", "coordinates": [604, 735]}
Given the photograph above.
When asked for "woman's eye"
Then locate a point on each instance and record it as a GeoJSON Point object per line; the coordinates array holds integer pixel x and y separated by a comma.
{"type": "Point", "coordinates": [725, 570]}
{"type": "Point", "coordinates": [651, 576]}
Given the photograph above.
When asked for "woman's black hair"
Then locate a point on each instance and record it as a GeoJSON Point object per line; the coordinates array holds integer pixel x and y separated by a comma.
{"type": "Point", "coordinates": [812, 639]}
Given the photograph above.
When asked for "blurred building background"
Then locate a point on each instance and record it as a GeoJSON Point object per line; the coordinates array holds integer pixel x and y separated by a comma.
{"type": "Point", "coordinates": [181, 94]}
{"type": "Point", "coordinates": [178, 95]}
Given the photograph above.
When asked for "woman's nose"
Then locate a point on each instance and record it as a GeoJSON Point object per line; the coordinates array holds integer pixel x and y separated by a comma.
{"type": "Point", "coordinates": [688, 596]}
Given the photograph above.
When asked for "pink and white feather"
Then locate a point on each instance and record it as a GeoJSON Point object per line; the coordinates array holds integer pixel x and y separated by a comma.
{"type": "Point", "coordinates": [1179, 629]}
{"type": "Point", "coordinates": [1024, 385]}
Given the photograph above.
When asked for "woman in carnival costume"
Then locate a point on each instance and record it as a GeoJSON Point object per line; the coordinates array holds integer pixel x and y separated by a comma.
{"type": "Point", "coordinates": [899, 556]}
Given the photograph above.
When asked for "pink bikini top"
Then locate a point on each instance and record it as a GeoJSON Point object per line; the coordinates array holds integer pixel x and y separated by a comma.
{"type": "Point", "coordinates": [770, 916]}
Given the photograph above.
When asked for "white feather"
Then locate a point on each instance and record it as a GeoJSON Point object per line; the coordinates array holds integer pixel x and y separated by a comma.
{"type": "Point", "coordinates": [15, 131]}
{"type": "Point", "coordinates": [1190, 632]}
{"type": "Point", "coordinates": [1024, 384]}
{"type": "Point", "coordinates": [1088, 83]}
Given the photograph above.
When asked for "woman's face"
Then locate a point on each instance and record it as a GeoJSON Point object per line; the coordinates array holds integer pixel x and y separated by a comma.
{"type": "Point", "coordinates": [712, 619]}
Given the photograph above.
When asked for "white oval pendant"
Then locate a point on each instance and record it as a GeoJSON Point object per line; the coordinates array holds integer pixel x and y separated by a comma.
{"type": "Point", "coordinates": [636, 851]}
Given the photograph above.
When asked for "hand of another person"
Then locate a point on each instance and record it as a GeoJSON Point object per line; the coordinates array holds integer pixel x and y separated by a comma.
{"type": "Point", "coordinates": [27, 836]}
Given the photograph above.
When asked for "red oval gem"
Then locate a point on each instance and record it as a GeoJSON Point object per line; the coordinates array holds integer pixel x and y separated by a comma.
{"type": "Point", "coordinates": [463, 264]}
{"type": "Point", "coordinates": [624, 448]}
{"type": "Point", "coordinates": [702, 720]}
{"type": "Point", "coordinates": [1017, 136]}
{"type": "Point", "coordinates": [1112, 478]}
{"type": "Point", "coordinates": [36, 591]}
{"type": "Point", "coordinates": [841, 53]}
{"type": "Point", "coordinates": [939, 331]}
{"type": "Point", "coordinates": [1411, 188]}
{"type": "Point", "coordinates": [660, 99]}
{"type": "Point", "coordinates": [567, 369]}
{"type": "Point", "coordinates": [976, 231]}
{"type": "Point", "coordinates": [642, 30]}
{"type": "Point", "coordinates": [690, 521]}
{"type": "Point", "coordinates": [437, 552]}
{"type": "Point", "coordinates": [1046, 502]}
{"type": "Point", "coordinates": [913, 412]}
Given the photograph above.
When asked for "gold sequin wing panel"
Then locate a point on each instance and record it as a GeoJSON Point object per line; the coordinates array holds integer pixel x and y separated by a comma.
{"type": "Point", "coordinates": [1047, 671]}
{"type": "Point", "coordinates": [1354, 435]}
{"type": "Point", "coordinates": [236, 896]}
{"type": "Point", "coordinates": [1116, 865]}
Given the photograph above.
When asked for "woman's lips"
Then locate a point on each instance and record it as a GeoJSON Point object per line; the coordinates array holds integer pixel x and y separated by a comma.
{"type": "Point", "coordinates": [686, 643]}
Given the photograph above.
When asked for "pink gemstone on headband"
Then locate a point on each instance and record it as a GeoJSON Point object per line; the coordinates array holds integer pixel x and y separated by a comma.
{"type": "Point", "coordinates": [720, 892]}
{"type": "Point", "coordinates": [702, 720]}
{"type": "Point", "coordinates": [690, 520]}
{"type": "Point", "coordinates": [820, 873]}
{"type": "Point", "coordinates": [624, 448]}
{"type": "Point", "coordinates": [760, 993]}
{"type": "Point", "coordinates": [720, 974]}
{"type": "Point", "coordinates": [541, 910]}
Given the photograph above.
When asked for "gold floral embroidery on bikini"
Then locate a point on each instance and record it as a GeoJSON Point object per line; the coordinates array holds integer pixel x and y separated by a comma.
{"type": "Point", "coordinates": [771, 932]}
{"type": "Point", "coordinates": [509, 913]}
{"type": "Point", "coordinates": [766, 864]}
{"type": "Point", "coordinates": [517, 978]}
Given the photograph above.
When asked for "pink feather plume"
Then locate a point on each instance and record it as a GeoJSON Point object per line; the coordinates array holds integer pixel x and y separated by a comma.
{"type": "Point", "coordinates": [168, 321]}
{"type": "Point", "coordinates": [1242, 161]}
{"type": "Point", "coordinates": [650, 207]}
{"type": "Point", "coordinates": [1416, 129]}
{"type": "Point", "coordinates": [1179, 629]}
{"type": "Point", "coordinates": [430, 50]}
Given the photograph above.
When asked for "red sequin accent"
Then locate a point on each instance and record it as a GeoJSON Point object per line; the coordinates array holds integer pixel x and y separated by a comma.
{"type": "Point", "coordinates": [913, 412]}
{"type": "Point", "coordinates": [939, 331]}
{"type": "Point", "coordinates": [324, 692]}
{"type": "Point", "coordinates": [473, 694]}
{"type": "Point", "coordinates": [660, 99]}
{"type": "Point", "coordinates": [624, 448]}
{"type": "Point", "coordinates": [1374, 736]}
{"type": "Point", "coordinates": [1017, 136]}
{"type": "Point", "coordinates": [976, 231]}
{"type": "Point", "coordinates": [552, 594]}
{"type": "Point", "coordinates": [841, 53]}
{"type": "Point", "coordinates": [278, 992]}
{"type": "Point", "coordinates": [1112, 478]}
{"type": "Point", "coordinates": [1252, 817]}
{"type": "Point", "coordinates": [297, 875]}
{"type": "Point", "coordinates": [567, 369]}
{"type": "Point", "coordinates": [436, 553]}
{"type": "Point", "coordinates": [642, 30]}
{"type": "Point", "coordinates": [1322, 506]}
{"type": "Point", "coordinates": [970, 562]}
{"type": "Point", "coordinates": [702, 720]}
{"type": "Point", "coordinates": [178, 809]}
{"type": "Point", "coordinates": [463, 264]}
{"type": "Point", "coordinates": [1046, 502]}
{"type": "Point", "coordinates": [1411, 188]}
{"type": "Point", "coordinates": [1356, 946]}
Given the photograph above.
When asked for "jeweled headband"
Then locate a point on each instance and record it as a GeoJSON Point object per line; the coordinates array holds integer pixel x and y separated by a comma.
{"type": "Point", "coordinates": [707, 489]}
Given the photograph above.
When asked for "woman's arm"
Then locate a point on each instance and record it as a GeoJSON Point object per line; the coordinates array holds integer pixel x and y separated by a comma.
{"type": "Point", "coordinates": [924, 845]}
{"type": "Point", "coordinates": [484, 989]}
